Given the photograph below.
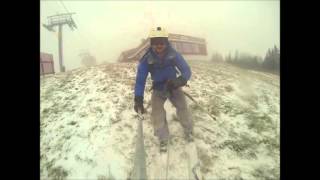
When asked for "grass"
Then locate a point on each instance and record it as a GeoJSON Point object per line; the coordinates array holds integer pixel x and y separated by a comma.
{"type": "Point", "coordinates": [67, 98]}
{"type": "Point", "coordinates": [252, 100]}
{"type": "Point", "coordinates": [45, 113]}
{"type": "Point", "coordinates": [272, 144]}
{"type": "Point", "coordinates": [265, 172]}
{"type": "Point", "coordinates": [57, 173]}
{"type": "Point", "coordinates": [237, 146]}
{"type": "Point", "coordinates": [229, 88]}
{"type": "Point", "coordinates": [98, 109]}
{"type": "Point", "coordinates": [258, 122]}
{"type": "Point", "coordinates": [72, 123]}
{"type": "Point", "coordinates": [214, 106]}
{"type": "Point", "coordinates": [227, 107]}
{"type": "Point", "coordinates": [244, 146]}
{"type": "Point", "coordinates": [48, 93]}
{"type": "Point", "coordinates": [206, 161]}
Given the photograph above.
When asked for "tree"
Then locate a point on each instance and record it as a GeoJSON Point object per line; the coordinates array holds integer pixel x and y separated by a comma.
{"type": "Point", "coordinates": [236, 57]}
{"type": "Point", "coordinates": [272, 60]}
{"type": "Point", "coordinates": [229, 58]}
{"type": "Point", "coordinates": [216, 57]}
{"type": "Point", "coordinates": [248, 61]}
{"type": "Point", "coordinates": [277, 58]}
{"type": "Point", "coordinates": [267, 63]}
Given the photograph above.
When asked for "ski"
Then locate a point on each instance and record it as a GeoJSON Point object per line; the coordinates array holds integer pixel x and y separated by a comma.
{"type": "Point", "coordinates": [194, 172]}
{"type": "Point", "coordinates": [162, 162]}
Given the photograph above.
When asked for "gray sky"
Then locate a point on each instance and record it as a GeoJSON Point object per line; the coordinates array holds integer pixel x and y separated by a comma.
{"type": "Point", "coordinates": [106, 28]}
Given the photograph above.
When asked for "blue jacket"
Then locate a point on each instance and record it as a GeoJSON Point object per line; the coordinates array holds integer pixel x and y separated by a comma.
{"type": "Point", "coordinates": [160, 70]}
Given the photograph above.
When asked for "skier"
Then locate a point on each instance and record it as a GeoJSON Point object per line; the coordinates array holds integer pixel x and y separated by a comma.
{"type": "Point", "coordinates": [164, 63]}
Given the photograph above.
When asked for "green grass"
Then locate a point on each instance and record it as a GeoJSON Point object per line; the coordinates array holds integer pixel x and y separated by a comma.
{"type": "Point", "coordinates": [214, 106]}
{"type": "Point", "coordinates": [259, 123]}
{"type": "Point", "coordinates": [206, 161]}
{"type": "Point", "coordinates": [57, 173]}
{"type": "Point", "coordinates": [265, 172]}
{"type": "Point", "coordinates": [243, 145]}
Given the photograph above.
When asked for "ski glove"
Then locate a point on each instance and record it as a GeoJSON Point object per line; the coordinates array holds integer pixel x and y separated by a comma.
{"type": "Point", "coordinates": [138, 104]}
{"type": "Point", "coordinates": [176, 83]}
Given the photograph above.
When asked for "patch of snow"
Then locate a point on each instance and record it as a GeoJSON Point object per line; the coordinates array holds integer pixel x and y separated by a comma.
{"type": "Point", "coordinates": [88, 126]}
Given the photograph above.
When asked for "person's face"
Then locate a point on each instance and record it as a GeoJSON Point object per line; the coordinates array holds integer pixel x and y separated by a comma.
{"type": "Point", "coordinates": [158, 45]}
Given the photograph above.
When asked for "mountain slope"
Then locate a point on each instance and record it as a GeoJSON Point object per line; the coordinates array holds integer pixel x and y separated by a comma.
{"type": "Point", "coordinates": [88, 126]}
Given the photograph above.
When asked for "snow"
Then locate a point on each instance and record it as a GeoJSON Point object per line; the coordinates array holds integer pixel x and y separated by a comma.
{"type": "Point", "coordinates": [88, 126]}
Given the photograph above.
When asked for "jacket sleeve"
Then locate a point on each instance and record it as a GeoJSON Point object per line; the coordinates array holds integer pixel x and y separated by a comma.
{"type": "Point", "coordinates": [183, 67]}
{"type": "Point", "coordinates": [142, 74]}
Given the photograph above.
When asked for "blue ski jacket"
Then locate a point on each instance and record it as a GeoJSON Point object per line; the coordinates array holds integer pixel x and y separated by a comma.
{"type": "Point", "coordinates": [160, 70]}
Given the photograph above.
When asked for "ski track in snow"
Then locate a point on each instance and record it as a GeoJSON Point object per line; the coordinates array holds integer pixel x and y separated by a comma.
{"type": "Point", "coordinates": [88, 126]}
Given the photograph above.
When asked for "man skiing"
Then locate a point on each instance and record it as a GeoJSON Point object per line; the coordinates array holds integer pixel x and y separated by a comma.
{"type": "Point", "coordinates": [164, 63]}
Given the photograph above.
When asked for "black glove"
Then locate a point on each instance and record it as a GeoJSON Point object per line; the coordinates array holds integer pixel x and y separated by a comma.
{"type": "Point", "coordinates": [176, 83]}
{"type": "Point", "coordinates": [138, 104]}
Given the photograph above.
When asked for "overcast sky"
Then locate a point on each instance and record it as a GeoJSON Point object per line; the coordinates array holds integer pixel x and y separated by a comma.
{"type": "Point", "coordinates": [106, 28]}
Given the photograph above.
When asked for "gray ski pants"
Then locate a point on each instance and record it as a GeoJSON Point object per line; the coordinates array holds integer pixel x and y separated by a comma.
{"type": "Point", "coordinates": [158, 113]}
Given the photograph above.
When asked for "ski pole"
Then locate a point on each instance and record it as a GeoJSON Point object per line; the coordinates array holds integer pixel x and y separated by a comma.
{"type": "Point", "coordinates": [190, 97]}
{"type": "Point", "coordinates": [194, 171]}
{"type": "Point", "coordinates": [139, 170]}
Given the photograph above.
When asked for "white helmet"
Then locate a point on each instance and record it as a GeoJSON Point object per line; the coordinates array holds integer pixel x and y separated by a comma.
{"type": "Point", "coordinates": [158, 32]}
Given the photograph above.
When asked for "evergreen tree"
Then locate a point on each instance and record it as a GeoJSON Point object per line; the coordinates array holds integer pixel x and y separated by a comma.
{"type": "Point", "coordinates": [272, 60]}
{"type": "Point", "coordinates": [236, 57]}
{"type": "Point", "coordinates": [216, 57]}
{"type": "Point", "coordinates": [277, 58]}
{"type": "Point", "coordinates": [228, 58]}
{"type": "Point", "coordinates": [267, 63]}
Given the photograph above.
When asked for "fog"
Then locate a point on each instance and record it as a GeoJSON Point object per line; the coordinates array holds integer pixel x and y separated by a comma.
{"type": "Point", "coordinates": [106, 28]}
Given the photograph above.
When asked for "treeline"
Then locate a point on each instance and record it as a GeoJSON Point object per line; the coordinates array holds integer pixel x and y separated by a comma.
{"type": "Point", "coordinates": [270, 63]}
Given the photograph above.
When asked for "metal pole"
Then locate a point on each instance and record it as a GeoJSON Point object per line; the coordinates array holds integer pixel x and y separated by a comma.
{"type": "Point", "coordinates": [189, 96]}
{"type": "Point", "coordinates": [41, 66]}
{"type": "Point", "coordinates": [139, 171]}
{"type": "Point", "coordinates": [60, 49]}
{"type": "Point", "coordinates": [60, 20]}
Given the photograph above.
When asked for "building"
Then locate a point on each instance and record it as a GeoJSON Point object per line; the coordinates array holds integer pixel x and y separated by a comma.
{"type": "Point", "coordinates": [190, 47]}
{"type": "Point", "coordinates": [87, 59]}
{"type": "Point", "coordinates": [46, 63]}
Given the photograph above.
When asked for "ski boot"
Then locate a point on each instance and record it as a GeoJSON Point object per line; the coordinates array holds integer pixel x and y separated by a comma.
{"type": "Point", "coordinates": [189, 137]}
{"type": "Point", "coordinates": [163, 146]}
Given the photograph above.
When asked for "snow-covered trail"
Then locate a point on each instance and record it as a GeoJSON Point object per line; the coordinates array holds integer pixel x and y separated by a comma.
{"type": "Point", "coordinates": [88, 126]}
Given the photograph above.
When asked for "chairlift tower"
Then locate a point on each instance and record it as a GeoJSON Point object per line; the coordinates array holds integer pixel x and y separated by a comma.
{"type": "Point", "coordinates": [60, 20]}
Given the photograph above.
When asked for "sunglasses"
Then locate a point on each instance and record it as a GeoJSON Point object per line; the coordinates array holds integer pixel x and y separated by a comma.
{"type": "Point", "coordinates": [158, 43]}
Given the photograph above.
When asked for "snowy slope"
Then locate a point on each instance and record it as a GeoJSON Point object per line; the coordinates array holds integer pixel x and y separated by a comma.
{"type": "Point", "coordinates": [88, 126]}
